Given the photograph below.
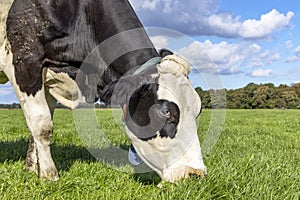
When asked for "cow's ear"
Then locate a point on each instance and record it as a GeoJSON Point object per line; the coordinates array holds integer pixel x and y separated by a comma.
{"type": "Point", "coordinates": [119, 92]}
{"type": "Point", "coordinates": [165, 52]}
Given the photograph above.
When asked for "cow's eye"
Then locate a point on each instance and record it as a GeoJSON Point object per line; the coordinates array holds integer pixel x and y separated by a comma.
{"type": "Point", "coordinates": [170, 111]}
{"type": "Point", "coordinates": [166, 113]}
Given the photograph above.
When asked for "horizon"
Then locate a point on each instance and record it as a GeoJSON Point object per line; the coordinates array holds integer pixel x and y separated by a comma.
{"type": "Point", "coordinates": [16, 101]}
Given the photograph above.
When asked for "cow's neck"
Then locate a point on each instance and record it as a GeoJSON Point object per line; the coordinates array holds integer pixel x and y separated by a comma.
{"type": "Point", "coordinates": [118, 18]}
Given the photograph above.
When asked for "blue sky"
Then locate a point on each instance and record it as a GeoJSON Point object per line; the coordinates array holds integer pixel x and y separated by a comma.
{"type": "Point", "coordinates": [248, 41]}
{"type": "Point", "coordinates": [229, 43]}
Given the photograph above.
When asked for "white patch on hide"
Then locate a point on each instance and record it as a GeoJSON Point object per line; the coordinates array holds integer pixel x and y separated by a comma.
{"type": "Point", "coordinates": [5, 51]}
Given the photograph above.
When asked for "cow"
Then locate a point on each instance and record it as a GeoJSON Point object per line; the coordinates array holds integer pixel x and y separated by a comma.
{"type": "Point", "coordinates": [45, 46]}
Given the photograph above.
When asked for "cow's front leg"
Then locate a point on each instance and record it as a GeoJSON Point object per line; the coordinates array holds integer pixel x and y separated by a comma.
{"type": "Point", "coordinates": [39, 121]}
{"type": "Point", "coordinates": [32, 99]}
{"type": "Point", "coordinates": [31, 161]}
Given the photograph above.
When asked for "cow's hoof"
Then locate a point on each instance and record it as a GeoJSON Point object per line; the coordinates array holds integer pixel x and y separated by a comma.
{"type": "Point", "coordinates": [50, 174]}
{"type": "Point", "coordinates": [191, 171]}
{"type": "Point", "coordinates": [31, 163]}
{"type": "Point", "coordinates": [32, 167]}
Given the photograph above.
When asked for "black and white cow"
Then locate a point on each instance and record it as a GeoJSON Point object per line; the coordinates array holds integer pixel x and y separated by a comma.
{"type": "Point", "coordinates": [45, 43]}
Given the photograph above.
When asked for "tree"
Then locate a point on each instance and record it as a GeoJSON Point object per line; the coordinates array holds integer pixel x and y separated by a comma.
{"type": "Point", "coordinates": [296, 87]}
{"type": "Point", "coordinates": [253, 96]}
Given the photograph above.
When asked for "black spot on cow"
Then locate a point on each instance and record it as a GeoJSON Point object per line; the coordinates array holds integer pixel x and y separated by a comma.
{"type": "Point", "coordinates": [61, 34]}
{"type": "Point", "coordinates": [150, 117]}
{"type": "Point", "coordinates": [171, 111]}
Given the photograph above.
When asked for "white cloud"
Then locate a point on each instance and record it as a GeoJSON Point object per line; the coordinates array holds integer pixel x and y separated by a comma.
{"type": "Point", "coordinates": [297, 50]}
{"type": "Point", "coordinates": [261, 73]}
{"type": "Point", "coordinates": [151, 5]}
{"type": "Point", "coordinates": [197, 55]}
{"type": "Point", "coordinates": [295, 57]}
{"type": "Point", "coordinates": [160, 42]}
{"type": "Point", "coordinates": [291, 59]}
{"type": "Point", "coordinates": [251, 28]}
{"type": "Point", "coordinates": [175, 6]}
{"type": "Point", "coordinates": [194, 17]}
{"type": "Point", "coordinates": [255, 62]}
{"type": "Point", "coordinates": [289, 44]}
{"type": "Point", "coordinates": [268, 23]}
{"type": "Point", "coordinates": [265, 58]}
{"type": "Point", "coordinates": [270, 56]}
{"type": "Point", "coordinates": [228, 57]}
{"type": "Point", "coordinates": [275, 57]}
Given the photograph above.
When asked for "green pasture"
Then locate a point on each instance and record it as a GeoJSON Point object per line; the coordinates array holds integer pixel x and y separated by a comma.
{"type": "Point", "coordinates": [256, 157]}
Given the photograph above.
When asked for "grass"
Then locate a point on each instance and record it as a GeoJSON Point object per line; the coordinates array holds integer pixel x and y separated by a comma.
{"type": "Point", "coordinates": [256, 157]}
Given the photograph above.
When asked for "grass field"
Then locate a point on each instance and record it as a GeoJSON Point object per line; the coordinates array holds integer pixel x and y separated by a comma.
{"type": "Point", "coordinates": [256, 157]}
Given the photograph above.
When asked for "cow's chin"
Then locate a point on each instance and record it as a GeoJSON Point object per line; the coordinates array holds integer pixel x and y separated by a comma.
{"type": "Point", "coordinates": [172, 159]}
{"type": "Point", "coordinates": [190, 163]}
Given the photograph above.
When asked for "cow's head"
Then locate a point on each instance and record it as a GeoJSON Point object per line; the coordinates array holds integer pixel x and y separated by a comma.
{"type": "Point", "coordinates": [160, 110]}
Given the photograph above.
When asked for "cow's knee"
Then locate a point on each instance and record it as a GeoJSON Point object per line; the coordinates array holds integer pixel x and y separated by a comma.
{"type": "Point", "coordinates": [42, 138]}
{"type": "Point", "coordinates": [44, 133]}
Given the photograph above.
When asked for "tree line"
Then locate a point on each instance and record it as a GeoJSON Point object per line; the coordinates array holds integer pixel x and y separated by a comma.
{"type": "Point", "coordinates": [253, 96]}
{"type": "Point", "coordinates": [10, 106]}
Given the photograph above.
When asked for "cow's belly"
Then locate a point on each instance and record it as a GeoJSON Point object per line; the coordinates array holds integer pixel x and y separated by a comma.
{"type": "Point", "coordinates": [63, 88]}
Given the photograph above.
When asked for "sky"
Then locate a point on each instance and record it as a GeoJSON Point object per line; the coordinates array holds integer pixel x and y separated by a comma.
{"type": "Point", "coordinates": [229, 43]}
